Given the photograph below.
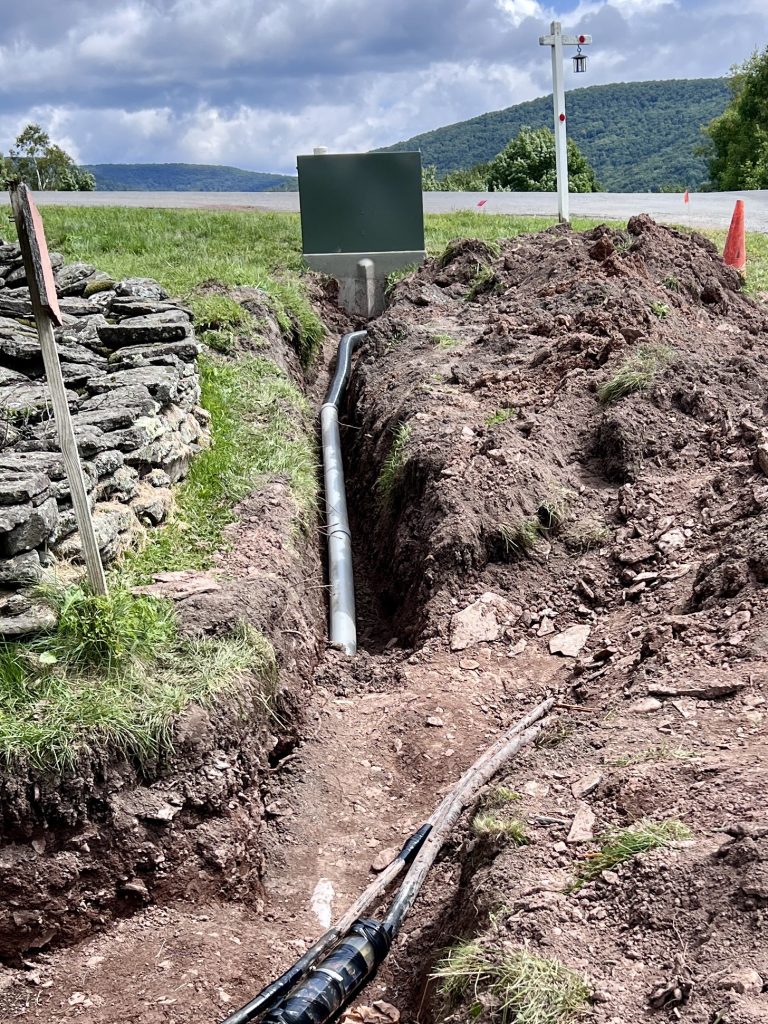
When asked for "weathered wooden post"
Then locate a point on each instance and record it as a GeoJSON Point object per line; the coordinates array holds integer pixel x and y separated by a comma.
{"type": "Point", "coordinates": [42, 290]}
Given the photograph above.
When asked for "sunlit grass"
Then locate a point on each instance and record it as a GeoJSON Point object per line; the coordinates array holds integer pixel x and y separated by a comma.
{"type": "Point", "coordinates": [259, 424]}
{"type": "Point", "coordinates": [112, 677]}
{"type": "Point", "coordinates": [517, 985]}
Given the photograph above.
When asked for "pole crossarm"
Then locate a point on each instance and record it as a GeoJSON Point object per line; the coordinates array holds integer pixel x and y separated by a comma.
{"type": "Point", "coordinates": [565, 40]}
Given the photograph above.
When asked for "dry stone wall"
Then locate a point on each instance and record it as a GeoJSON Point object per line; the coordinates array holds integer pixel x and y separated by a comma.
{"type": "Point", "coordinates": [128, 356]}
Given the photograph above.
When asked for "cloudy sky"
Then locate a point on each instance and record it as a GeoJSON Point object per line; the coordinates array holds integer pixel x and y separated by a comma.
{"type": "Point", "coordinates": [253, 82]}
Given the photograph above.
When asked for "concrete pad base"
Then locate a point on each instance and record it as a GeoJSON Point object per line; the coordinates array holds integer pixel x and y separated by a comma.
{"type": "Point", "coordinates": [362, 276]}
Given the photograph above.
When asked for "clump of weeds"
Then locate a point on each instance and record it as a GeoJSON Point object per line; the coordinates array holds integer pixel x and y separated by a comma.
{"type": "Point", "coordinates": [619, 846]}
{"type": "Point", "coordinates": [394, 462]}
{"type": "Point", "coordinates": [637, 373]}
{"type": "Point", "coordinates": [516, 985]}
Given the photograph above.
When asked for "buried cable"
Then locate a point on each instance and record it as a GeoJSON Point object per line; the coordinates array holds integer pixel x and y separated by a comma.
{"type": "Point", "coordinates": [357, 946]}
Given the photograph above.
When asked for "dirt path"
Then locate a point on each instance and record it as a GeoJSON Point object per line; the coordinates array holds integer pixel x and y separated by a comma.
{"type": "Point", "coordinates": [371, 769]}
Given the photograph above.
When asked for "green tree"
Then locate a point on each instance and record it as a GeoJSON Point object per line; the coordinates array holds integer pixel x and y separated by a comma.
{"type": "Point", "coordinates": [739, 137]}
{"type": "Point", "coordinates": [41, 164]}
{"type": "Point", "coordinates": [527, 164]}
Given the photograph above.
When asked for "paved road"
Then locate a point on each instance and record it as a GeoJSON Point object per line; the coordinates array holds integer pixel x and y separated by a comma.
{"type": "Point", "coordinates": [706, 209]}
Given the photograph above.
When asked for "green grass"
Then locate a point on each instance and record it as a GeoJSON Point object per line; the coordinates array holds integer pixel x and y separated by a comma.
{"type": "Point", "coordinates": [660, 310]}
{"type": "Point", "coordinates": [112, 677]}
{"type": "Point", "coordinates": [257, 420]}
{"type": "Point", "coordinates": [502, 416]}
{"type": "Point", "coordinates": [636, 373]}
{"type": "Point", "coordinates": [446, 341]}
{"type": "Point", "coordinates": [184, 248]}
{"type": "Point", "coordinates": [520, 537]}
{"type": "Point", "coordinates": [492, 825]}
{"type": "Point", "coordinates": [519, 986]}
{"type": "Point", "coordinates": [395, 461]}
{"type": "Point", "coordinates": [619, 846]}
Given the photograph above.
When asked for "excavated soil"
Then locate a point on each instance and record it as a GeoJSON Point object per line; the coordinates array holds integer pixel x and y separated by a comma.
{"type": "Point", "coordinates": [516, 507]}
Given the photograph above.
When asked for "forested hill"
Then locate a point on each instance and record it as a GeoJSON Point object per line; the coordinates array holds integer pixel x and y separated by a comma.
{"type": "Point", "coordinates": [639, 136]}
{"type": "Point", "coordinates": [186, 178]}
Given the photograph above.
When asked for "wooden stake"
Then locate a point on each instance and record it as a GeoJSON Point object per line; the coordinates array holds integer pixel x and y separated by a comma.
{"type": "Point", "coordinates": [42, 290]}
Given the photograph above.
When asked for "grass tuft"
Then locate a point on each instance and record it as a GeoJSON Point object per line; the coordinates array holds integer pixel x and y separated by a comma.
{"type": "Point", "coordinates": [520, 538]}
{"type": "Point", "coordinates": [636, 373]}
{"type": "Point", "coordinates": [491, 825]}
{"type": "Point", "coordinates": [485, 280]}
{"type": "Point", "coordinates": [502, 416]}
{"type": "Point", "coordinates": [446, 341]}
{"type": "Point", "coordinates": [527, 989]}
{"type": "Point", "coordinates": [660, 309]}
{"type": "Point", "coordinates": [618, 846]}
{"type": "Point", "coordinates": [653, 755]}
{"type": "Point", "coordinates": [112, 678]}
{"type": "Point", "coordinates": [395, 461]}
{"type": "Point", "coordinates": [256, 421]}
{"type": "Point", "coordinates": [104, 632]}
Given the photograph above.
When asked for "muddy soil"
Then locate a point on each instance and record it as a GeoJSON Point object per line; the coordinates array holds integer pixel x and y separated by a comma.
{"type": "Point", "coordinates": [515, 507]}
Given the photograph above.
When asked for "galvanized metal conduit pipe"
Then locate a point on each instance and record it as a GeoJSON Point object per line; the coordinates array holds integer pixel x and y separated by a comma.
{"type": "Point", "coordinates": [343, 630]}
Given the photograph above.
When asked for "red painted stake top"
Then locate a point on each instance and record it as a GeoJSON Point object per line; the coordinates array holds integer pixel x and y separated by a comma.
{"type": "Point", "coordinates": [32, 226]}
{"type": "Point", "coordinates": [562, 117]}
{"type": "Point", "coordinates": [686, 198]}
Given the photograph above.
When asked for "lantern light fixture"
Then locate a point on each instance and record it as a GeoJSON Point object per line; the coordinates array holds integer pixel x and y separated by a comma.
{"type": "Point", "coordinates": [579, 61]}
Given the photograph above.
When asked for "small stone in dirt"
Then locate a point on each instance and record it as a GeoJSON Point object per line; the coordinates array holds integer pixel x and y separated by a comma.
{"type": "Point", "coordinates": [468, 665]}
{"type": "Point", "coordinates": [517, 648]}
{"type": "Point", "coordinates": [704, 689]}
{"type": "Point", "coordinates": [671, 540]}
{"type": "Point", "coordinates": [480, 622]}
{"type": "Point", "coordinates": [434, 721]}
{"type": "Point", "coordinates": [746, 981]}
{"type": "Point", "coordinates": [586, 785]}
{"type": "Point", "coordinates": [136, 888]}
{"type": "Point", "coordinates": [755, 881]}
{"type": "Point", "coordinates": [383, 858]}
{"type": "Point", "coordinates": [639, 551]}
{"type": "Point", "coordinates": [583, 825]}
{"type": "Point", "coordinates": [545, 628]}
{"type": "Point", "coordinates": [645, 705]}
{"type": "Point", "coordinates": [570, 642]}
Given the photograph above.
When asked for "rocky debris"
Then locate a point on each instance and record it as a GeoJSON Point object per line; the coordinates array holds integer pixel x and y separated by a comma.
{"type": "Point", "coordinates": [482, 621]}
{"type": "Point", "coordinates": [128, 356]}
{"type": "Point", "coordinates": [383, 859]}
{"type": "Point", "coordinates": [570, 642]}
{"type": "Point", "coordinates": [583, 825]}
{"type": "Point", "coordinates": [745, 981]}
{"type": "Point", "coordinates": [586, 785]}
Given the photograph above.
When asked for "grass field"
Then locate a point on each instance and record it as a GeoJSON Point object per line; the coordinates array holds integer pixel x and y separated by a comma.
{"type": "Point", "coordinates": [51, 707]}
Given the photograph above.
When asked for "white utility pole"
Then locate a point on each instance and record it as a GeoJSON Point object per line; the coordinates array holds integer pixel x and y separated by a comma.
{"type": "Point", "coordinates": [556, 40]}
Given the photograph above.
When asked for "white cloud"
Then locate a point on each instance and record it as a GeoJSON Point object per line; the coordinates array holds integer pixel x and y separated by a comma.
{"type": "Point", "coordinates": [254, 83]}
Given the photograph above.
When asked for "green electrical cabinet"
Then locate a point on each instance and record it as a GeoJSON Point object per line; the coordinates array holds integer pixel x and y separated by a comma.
{"type": "Point", "coordinates": [361, 218]}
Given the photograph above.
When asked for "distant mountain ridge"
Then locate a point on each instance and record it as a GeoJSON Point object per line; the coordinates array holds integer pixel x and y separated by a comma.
{"type": "Point", "coordinates": [186, 178]}
{"type": "Point", "coordinates": [639, 136]}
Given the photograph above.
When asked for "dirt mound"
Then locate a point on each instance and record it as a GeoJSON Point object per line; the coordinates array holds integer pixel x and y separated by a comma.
{"type": "Point", "coordinates": [561, 445]}
{"type": "Point", "coordinates": [489, 366]}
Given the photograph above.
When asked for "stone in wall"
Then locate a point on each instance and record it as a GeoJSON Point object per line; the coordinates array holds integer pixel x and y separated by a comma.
{"type": "Point", "coordinates": [128, 355]}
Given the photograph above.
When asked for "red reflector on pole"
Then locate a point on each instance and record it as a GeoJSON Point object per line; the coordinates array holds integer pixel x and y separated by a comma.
{"type": "Point", "coordinates": [686, 198]}
{"type": "Point", "coordinates": [482, 202]}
